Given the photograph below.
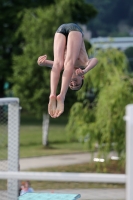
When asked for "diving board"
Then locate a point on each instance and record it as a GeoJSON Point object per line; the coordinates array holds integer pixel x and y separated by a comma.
{"type": "Point", "coordinates": [49, 196]}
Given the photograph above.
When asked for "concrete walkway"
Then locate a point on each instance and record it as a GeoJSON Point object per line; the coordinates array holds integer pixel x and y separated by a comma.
{"type": "Point", "coordinates": [52, 161]}
{"type": "Point", "coordinates": [57, 160]}
{"type": "Point", "coordinates": [49, 161]}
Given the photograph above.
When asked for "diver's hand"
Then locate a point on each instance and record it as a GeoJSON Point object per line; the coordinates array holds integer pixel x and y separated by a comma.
{"type": "Point", "coordinates": [79, 72]}
{"type": "Point", "coordinates": [41, 60]}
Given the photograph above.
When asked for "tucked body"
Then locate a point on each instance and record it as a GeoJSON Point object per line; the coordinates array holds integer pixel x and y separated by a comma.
{"type": "Point", "coordinates": [70, 56]}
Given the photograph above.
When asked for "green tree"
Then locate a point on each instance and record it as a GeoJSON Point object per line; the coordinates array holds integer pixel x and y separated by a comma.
{"type": "Point", "coordinates": [129, 54]}
{"type": "Point", "coordinates": [31, 82]}
{"type": "Point", "coordinates": [9, 23]}
{"type": "Point", "coordinates": [102, 119]}
{"type": "Point", "coordinates": [110, 17]}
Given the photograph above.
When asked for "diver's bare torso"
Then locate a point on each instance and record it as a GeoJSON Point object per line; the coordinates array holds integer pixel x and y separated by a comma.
{"type": "Point", "coordinates": [83, 59]}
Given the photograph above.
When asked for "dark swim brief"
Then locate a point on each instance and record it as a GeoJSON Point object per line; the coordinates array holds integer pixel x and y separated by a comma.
{"type": "Point", "coordinates": [65, 29]}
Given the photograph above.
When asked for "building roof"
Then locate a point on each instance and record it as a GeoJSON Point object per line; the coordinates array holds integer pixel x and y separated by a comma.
{"type": "Point", "coordinates": [112, 42]}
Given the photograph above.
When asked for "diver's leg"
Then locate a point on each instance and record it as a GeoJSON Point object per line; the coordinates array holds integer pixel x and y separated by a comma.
{"type": "Point", "coordinates": [74, 44]}
{"type": "Point", "coordinates": [59, 49]}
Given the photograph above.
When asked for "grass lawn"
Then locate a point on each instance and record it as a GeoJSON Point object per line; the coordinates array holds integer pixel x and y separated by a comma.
{"type": "Point", "coordinates": [31, 138]}
{"type": "Point", "coordinates": [43, 185]}
{"type": "Point", "coordinates": [31, 142]}
{"type": "Point", "coordinates": [109, 167]}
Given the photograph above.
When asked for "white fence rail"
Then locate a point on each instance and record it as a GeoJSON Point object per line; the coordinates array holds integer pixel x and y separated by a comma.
{"type": "Point", "coordinates": [60, 176]}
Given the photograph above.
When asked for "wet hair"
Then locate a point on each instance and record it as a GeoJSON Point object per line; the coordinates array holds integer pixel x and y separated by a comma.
{"type": "Point", "coordinates": [76, 89]}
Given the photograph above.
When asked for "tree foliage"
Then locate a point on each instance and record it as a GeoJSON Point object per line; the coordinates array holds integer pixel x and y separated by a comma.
{"type": "Point", "coordinates": [31, 82]}
{"type": "Point", "coordinates": [129, 54]}
{"type": "Point", "coordinates": [9, 23]}
{"type": "Point", "coordinates": [113, 19]}
{"type": "Point", "coordinates": [101, 119]}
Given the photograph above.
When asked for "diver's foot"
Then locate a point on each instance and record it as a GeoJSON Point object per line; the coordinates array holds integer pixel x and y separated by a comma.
{"type": "Point", "coordinates": [60, 106]}
{"type": "Point", "coordinates": [52, 105]}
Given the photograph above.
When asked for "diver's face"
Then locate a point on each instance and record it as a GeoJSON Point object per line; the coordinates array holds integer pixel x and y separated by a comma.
{"type": "Point", "coordinates": [76, 82]}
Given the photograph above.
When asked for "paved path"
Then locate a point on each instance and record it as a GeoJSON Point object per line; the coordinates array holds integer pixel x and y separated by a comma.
{"type": "Point", "coordinates": [49, 161]}
{"type": "Point", "coordinates": [52, 161]}
{"type": "Point", "coordinates": [56, 160]}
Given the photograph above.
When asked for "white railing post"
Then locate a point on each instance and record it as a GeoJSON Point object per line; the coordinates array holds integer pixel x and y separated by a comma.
{"type": "Point", "coordinates": [129, 152]}
{"type": "Point", "coordinates": [13, 146]}
{"type": "Point", "coordinates": [13, 143]}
